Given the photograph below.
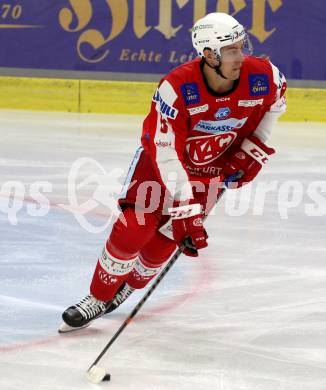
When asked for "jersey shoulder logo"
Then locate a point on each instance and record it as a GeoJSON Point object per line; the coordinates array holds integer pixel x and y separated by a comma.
{"type": "Point", "coordinates": [190, 93]}
{"type": "Point", "coordinates": [164, 108]}
{"type": "Point", "coordinates": [258, 84]}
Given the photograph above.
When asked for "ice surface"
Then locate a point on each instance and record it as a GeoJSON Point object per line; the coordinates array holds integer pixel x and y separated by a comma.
{"type": "Point", "coordinates": [249, 314]}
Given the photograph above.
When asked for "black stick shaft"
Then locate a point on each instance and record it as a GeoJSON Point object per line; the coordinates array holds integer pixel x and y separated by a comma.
{"type": "Point", "coordinates": [147, 295]}
{"type": "Point", "coordinates": [140, 303]}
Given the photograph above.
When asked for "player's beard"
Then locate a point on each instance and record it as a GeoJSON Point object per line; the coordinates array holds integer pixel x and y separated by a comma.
{"type": "Point", "coordinates": [218, 71]}
{"type": "Point", "coordinates": [231, 74]}
{"type": "Point", "coordinates": [235, 75]}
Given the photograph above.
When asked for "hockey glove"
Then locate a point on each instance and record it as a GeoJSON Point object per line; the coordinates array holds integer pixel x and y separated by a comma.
{"type": "Point", "coordinates": [187, 227]}
{"type": "Point", "coordinates": [248, 159]}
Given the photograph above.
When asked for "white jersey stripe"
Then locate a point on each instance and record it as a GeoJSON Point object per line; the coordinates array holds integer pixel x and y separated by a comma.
{"type": "Point", "coordinates": [131, 172]}
{"type": "Point", "coordinates": [171, 170]}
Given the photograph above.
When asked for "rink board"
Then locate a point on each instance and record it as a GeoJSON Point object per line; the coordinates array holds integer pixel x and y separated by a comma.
{"type": "Point", "coordinates": [123, 97]}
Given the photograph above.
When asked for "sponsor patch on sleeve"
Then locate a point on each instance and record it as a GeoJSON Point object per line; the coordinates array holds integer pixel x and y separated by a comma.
{"type": "Point", "coordinates": [259, 84]}
{"type": "Point", "coordinates": [190, 93]}
{"type": "Point", "coordinates": [165, 97]}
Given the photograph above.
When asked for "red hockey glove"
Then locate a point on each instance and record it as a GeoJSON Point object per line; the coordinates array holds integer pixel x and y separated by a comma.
{"type": "Point", "coordinates": [187, 223]}
{"type": "Point", "coordinates": [248, 159]}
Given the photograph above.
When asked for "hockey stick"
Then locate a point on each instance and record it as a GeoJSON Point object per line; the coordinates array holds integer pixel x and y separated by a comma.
{"type": "Point", "coordinates": [97, 374]}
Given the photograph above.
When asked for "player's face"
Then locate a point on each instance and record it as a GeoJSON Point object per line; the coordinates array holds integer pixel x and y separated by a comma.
{"type": "Point", "coordinates": [232, 57]}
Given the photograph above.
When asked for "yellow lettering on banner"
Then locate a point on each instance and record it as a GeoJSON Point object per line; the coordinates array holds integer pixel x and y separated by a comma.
{"type": "Point", "coordinates": [140, 27]}
{"type": "Point", "coordinates": [134, 56]}
{"type": "Point", "coordinates": [199, 9]}
{"type": "Point", "coordinates": [165, 18]}
{"type": "Point", "coordinates": [173, 59]}
{"type": "Point", "coordinates": [182, 3]}
{"type": "Point", "coordinates": [259, 16]}
{"type": "Point", "coordinates": [176, 58]}
{"type": "Point", "coordinates": [158, 57]}
{"type": "Point", "coordinates": [224, 6]}
{"type": "Point", "coordinates": [83, 12]}
{"type": "Point", "coordinates": [79, 13]}
{"type": "Point", "coordinates": [8, 11]}
{"type": "Point", "coordinates": [96, 39]}
{"type": "Point", "coordinates": [183, 58]}
{"type": "Point", "coordinates": [124, 56]}
{"type": "Point", "coordinates": [140, 56]}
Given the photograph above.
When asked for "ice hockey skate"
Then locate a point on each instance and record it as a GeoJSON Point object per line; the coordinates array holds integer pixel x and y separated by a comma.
{"type": "Point", "coordinates": [123, 293]}
{"type": "Point", "coordinates": [82, 314]}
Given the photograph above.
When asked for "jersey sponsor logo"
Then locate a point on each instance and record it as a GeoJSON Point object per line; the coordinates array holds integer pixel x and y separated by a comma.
{"type": "Point", "coordinates": [202, 26]}
{"type": "Point", "coordinates": [106, 278]}
{"type": "Point", "coordinates": [164, 108]}
{"type": "Point", "coordinates": [197, 222]}
{"type": "Point", "coordinates": [220, 126]}
{"type": "Point", "coordinates": [204, 41]}
{"type": "Point", "coordinates": [115, 266]}
{"type": "Point", "coordinates": [236, 35]}
{"type": "Point", "coordinates": [204, 171]}
{"type": "Point", "coordinates": [198, 109]}
{"type": "Point", "coordinates": [250, 103]}
{"type": "Point", "coordinates": [223, 99]}
{"type": "Point", "coordinates": [222, 113]}
{"type": "Point", "coordinates": [190, 93]}
{"type": "Point", "coordinates": [203, 150]}
{"type": "Point", "coordinates": [258, 84]}
{"type": "Point", "coordinates": [162, 144]}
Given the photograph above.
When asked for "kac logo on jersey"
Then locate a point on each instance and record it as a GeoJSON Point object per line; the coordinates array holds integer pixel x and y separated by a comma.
{"type": "Point", "coordinates": [222, 113]}
{"type": "Point", "coordinates": [205, 149]}
{"type": "Point", "coordinates": [258, 84]}
{"type": "Point", "coordinates": [190, 93]}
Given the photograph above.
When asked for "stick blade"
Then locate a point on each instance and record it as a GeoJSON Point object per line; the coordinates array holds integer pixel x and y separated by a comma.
{"type": "Point", "coordinates": [97, 374]}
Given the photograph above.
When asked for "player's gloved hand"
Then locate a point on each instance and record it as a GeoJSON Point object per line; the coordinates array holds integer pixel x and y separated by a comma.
{"type": "Point", "coordinates": [187, 224]}
{"type": "Point", "coordinates": [248, 159]}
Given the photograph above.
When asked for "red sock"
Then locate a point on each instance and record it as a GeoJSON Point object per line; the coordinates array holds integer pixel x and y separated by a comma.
{"type": "Point", "coordinates": [109, 274]}
{"type": "Point", "coordinates": [142, 273]}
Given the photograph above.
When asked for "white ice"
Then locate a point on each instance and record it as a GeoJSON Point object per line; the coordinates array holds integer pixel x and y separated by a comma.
{"type": "Point", "coordinates": [249, 314]}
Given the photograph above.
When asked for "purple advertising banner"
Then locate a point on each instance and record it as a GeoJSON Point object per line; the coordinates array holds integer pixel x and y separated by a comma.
{"type": "Point", "coordinates": [153, 36]}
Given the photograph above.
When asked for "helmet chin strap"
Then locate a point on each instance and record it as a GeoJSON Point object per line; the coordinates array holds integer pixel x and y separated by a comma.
{"type": "Point", "coordinates": [217, 69]}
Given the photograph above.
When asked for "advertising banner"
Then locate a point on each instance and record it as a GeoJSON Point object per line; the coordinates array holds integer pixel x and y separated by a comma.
{"type": "Point", "coordinates": [153, 36]}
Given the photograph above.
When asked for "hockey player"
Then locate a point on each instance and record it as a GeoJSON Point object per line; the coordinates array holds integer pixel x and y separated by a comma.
{"type": "Point", "coordinates": [209, 118]}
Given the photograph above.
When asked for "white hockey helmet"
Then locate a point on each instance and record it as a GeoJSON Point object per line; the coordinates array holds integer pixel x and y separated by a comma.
{"type": "Point", "coordinates": [215, 31]}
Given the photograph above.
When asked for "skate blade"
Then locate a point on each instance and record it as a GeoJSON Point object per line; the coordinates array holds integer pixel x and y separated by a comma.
{"type": "Point", "coordinates": [65, 328]}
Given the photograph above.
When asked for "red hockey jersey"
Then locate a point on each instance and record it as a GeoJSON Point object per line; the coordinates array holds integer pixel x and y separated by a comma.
{"type": "Point", "coordinates": [190, 129]}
